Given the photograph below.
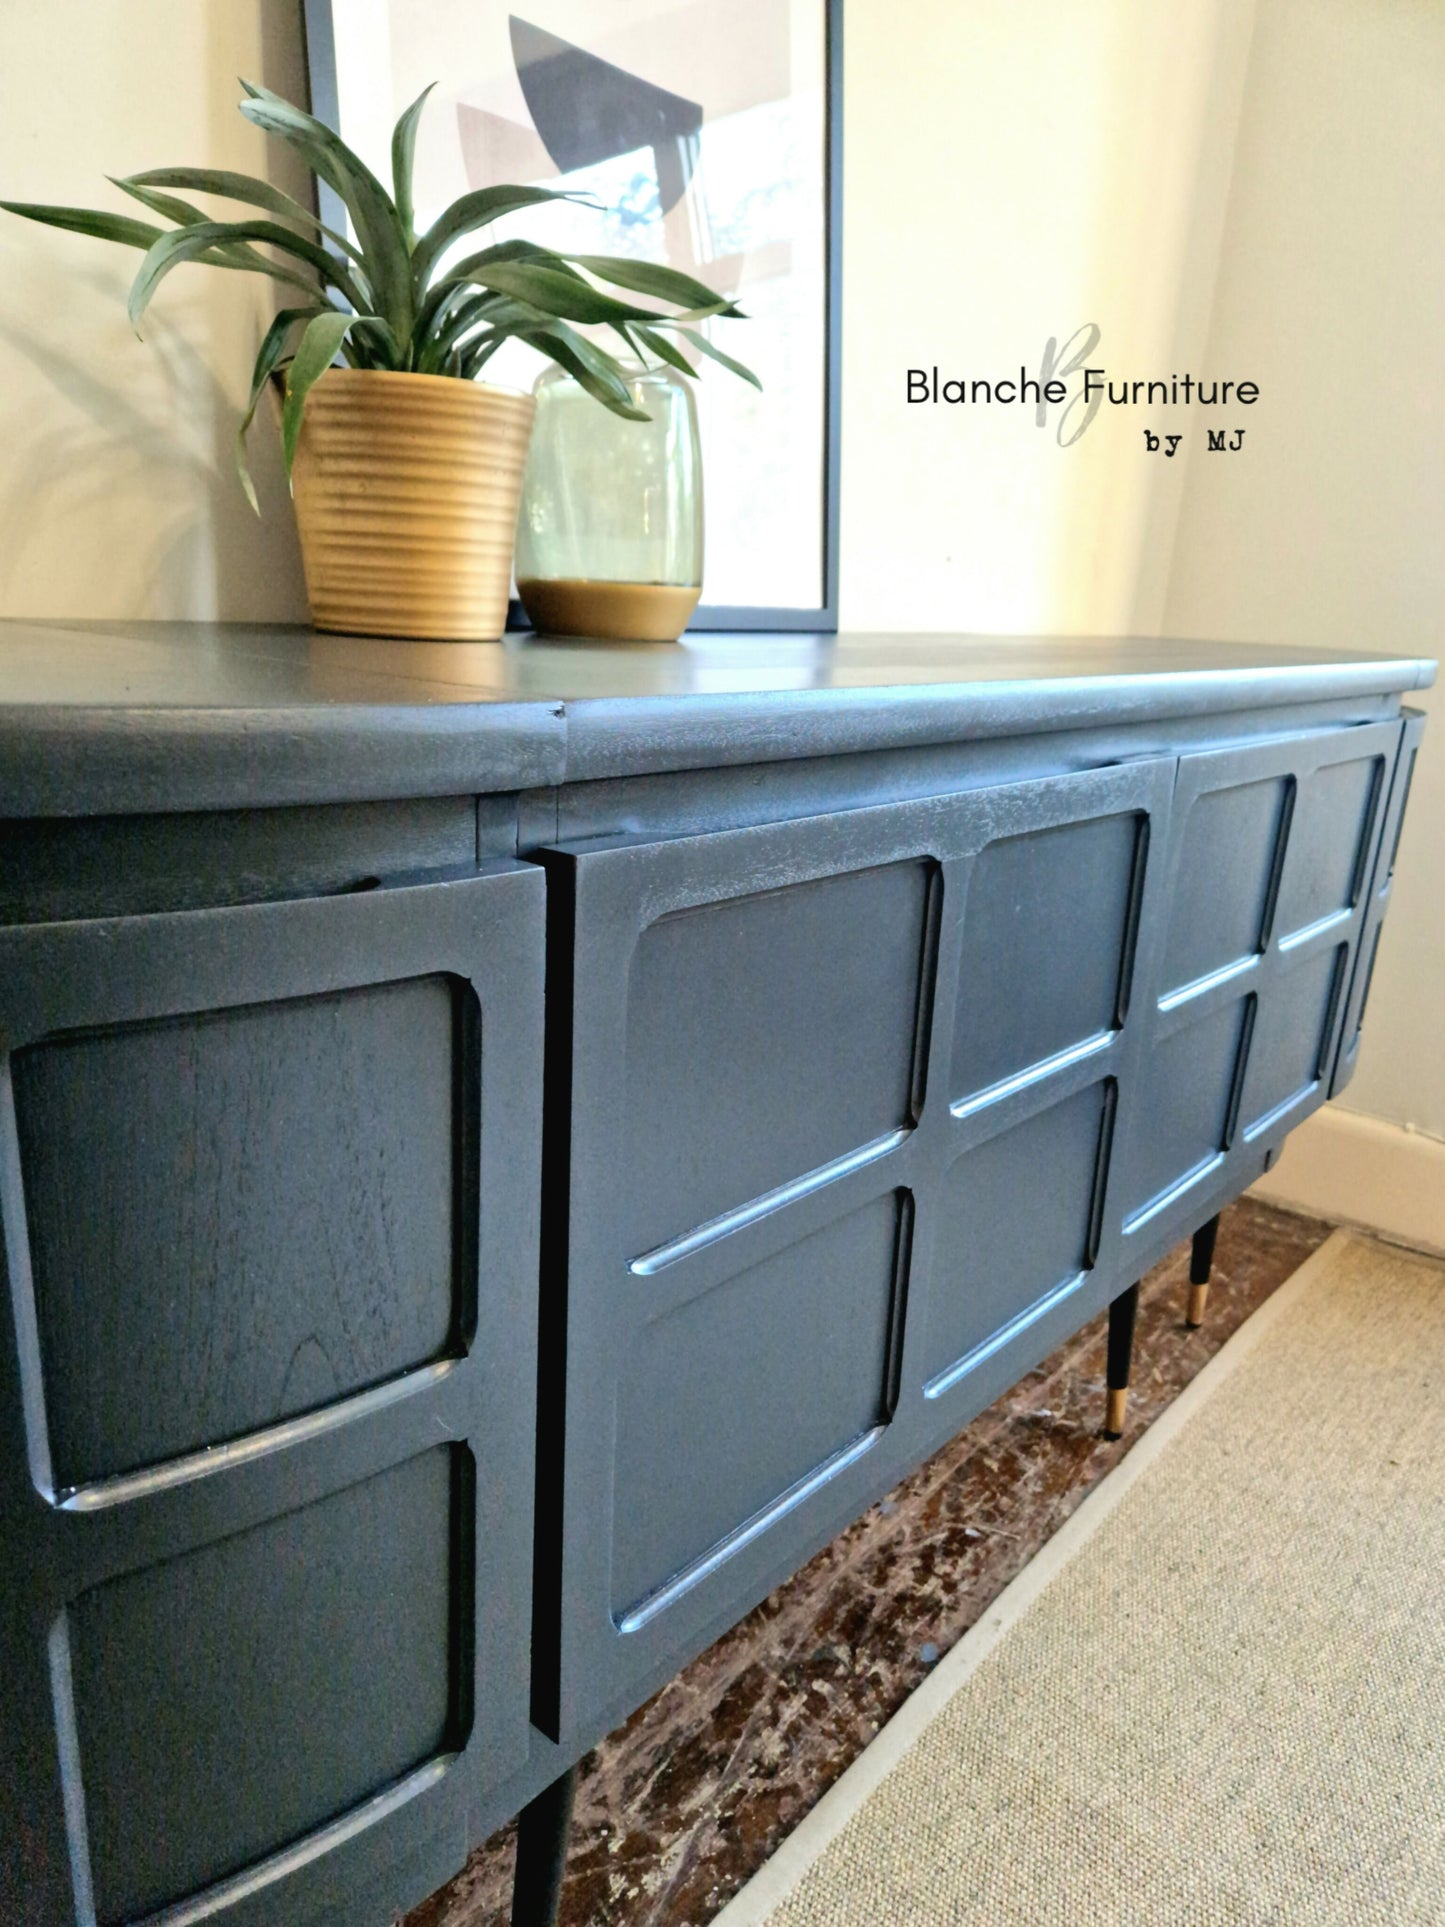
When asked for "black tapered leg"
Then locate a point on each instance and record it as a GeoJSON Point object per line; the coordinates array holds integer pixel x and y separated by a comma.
{"type": "Point", "coordinates": [1122, 1313]}
{"type": "Point", "coordinates": [542, 1828]}
{"type": "Point", "coordinates": [1201, 1263]}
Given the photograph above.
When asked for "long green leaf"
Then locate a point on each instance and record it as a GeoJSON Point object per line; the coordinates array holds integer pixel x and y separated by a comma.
{"type": "Point", "coordinates": [705, 347]}
{"type": "Point", "coordinates": [505, 318]}
{"type": "Point", "coordinates": [462, 274]}
{"type": "Point", "coordinates": [89, 220]}
{"type": "Point", "coordinates": [659, 345]}
{"type": "Point", "coordinates": [667, 284]}
{"type": "Point", "coordinates": [238, 187]}
{"type": "Point", "coordinates": [602, 365]}
{"type": "Point", "coordinates": [187, 215]}
{"type": "Point", "coordinates": [388, 352]}
{"type": "Point", "coordinates": [470, 363]}
{"type": "Point", "coordinates": [166, 205]}
{"type": "Point", "coordinates": [315, 353]}
{"type": "Point", "coordinates": [589, 366]}
{"type": "Point", "coordinates": [467, 267]}
{"type": "Point", "coordinates": [378, 228]}
{"type": "Point", "coordinates": [472, 211]}
{"type": "Point", "coordinates": [190, 243]}
{"type": "Point", "coordinates": [437, 313]}
{"type": "Point", "coordinates": [273, 346]}
{"type": "Point", "coordinates": [403, 157]}
{"type": "Point", "coordinates": [517, 250]}
{"type": "Point", "coordinates": [559, 295]}
{"type": "Point", "coordinates": [470, 312]}
{"type": "Point", "coordinates": [623, 332]}
{"type": "Point", "coordinates": [103, 226]}
{"type": "Point", "coordinates": [433, 312]}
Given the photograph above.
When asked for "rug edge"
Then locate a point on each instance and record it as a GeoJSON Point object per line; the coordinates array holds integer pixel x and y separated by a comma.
{"type": "Point", "coordinates": [779, 1875]}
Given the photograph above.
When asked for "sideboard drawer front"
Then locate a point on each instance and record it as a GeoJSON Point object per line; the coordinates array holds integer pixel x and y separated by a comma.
{"type": "Point", "coordinates": [1016, 1227]}
{"type": "Point", "coordinates": [269, 1183]}
{"type": "Point", "coordinates": [839, 1097]}
{"type": "Point", "coordinates": [110, 866]}
{"type": "Point", "coordinates": [1377, 896]}
{"type": "Point", "coordinates": [1227, 847]}
{"type": "Point", "coordinates": [1048, 935]}
{"type": "Point", "coordinates": [248, 1692]}
{"type": "Point", "coordinates": [767, 1035]}
{"type": "Point", "coordinates": [1290, 1051]}
{"type": "Point", "coordinates": [1271, 850]}
{"type": "Point", "coordinates": [1186, 1110]}
{"type": "Point", "coordinates": [240, 1215]}
{"type": "Point", "coordinates": [1329, 839]}
{"type": "Point", "coordinates": [772, 1373]}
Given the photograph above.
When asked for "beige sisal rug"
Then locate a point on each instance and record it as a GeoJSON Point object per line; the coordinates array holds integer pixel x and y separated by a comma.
{"type": "Point", "coordinates": [1217, 1698]}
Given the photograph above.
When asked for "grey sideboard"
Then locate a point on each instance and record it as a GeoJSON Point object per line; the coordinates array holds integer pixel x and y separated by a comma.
{"type": "Point", "coordinates": [504, 1151]}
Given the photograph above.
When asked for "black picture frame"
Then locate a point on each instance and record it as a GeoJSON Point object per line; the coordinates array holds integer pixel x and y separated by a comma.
{"type": "Point", "coordinates": [320, 36]}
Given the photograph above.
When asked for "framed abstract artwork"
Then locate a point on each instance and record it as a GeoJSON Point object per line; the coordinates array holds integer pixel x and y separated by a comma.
{"type": "Point", "coordinates": [707, 135]}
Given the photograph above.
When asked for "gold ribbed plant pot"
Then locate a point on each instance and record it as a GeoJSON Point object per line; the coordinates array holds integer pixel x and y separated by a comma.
{"type": "Point", "coordinates": [406, 490]}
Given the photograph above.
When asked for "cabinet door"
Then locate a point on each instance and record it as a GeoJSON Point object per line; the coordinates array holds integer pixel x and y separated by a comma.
{"type": "Point", "coordinates": [1382, 881]}
{"type": "Point", "coordinates": [267, 1398]}
{"type": "Point", "coordinates": [841, 1095]}
{"type": "Point", "coordinates": [1270, 849]}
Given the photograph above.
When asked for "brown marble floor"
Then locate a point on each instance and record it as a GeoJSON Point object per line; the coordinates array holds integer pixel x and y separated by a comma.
{"type": "Point", "coordinates": [680, 1807]}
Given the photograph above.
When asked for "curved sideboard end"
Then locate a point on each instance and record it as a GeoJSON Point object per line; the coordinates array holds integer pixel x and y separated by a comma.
{"type": "Point", "coordinates": [504, 1153]}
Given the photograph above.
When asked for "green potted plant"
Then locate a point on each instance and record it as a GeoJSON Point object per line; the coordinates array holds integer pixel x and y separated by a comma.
{"type": "Point", "coordinates": [405, 468]}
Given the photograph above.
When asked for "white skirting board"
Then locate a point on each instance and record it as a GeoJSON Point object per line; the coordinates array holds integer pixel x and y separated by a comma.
{"type": "Point", "coordinates": [1354, 1169]}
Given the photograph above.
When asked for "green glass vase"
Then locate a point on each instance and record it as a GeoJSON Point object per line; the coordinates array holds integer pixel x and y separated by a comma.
{"type": "Point", "coordinates": [609, 537]}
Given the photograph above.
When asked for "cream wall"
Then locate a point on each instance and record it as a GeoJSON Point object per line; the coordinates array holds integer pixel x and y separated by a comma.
{"type": "Point", "coordinates": [117, 490]}
{"type": "Point", "coordinates": [1247, 190]}
{"type": "Point", "coordinates": [1010, 173]}
{"type": "Point", "coordinates": [1102, 131]}
{"type": "Point", "coordinates": [1330, 525]}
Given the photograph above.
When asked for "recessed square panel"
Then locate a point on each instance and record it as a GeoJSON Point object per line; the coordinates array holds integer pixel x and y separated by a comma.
{"type": "Point", "coordinates": [1333, 815]}
{"type": "Point", "coordinates": [237, 1216]}
{"type": "Point", "coordinates": [1221, 888]}
{"type": "Point", "coordinates": [1290, 1035]}
{"type": "Point", "coordinates": [767, 1035]}
{"type": "Point", "coordinates": [1045, 940]}
{"type": "Point", "coordinates": [239, 1696]}
{"type": "Point", "coordinates": [1014, 1223]}
{"type": "Point", "coordinates": [730, 1399]}
{"type": "Point", "coordinates": [1182, 1108]}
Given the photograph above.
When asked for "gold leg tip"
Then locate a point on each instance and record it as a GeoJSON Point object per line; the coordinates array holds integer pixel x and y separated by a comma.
{"type": "Point", "coordinates": [1198, 1299]}
{"type": "Point", "coordinates": [1114, 1410]}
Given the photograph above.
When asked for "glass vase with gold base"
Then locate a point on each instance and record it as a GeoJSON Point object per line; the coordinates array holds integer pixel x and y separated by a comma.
{"type": "Point", "coordinates": [609, 537]}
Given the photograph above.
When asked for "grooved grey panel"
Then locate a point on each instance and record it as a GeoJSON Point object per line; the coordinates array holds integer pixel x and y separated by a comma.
{"type": "Point", "coordinates": [1044, 933]}
{"type": "Point", "coordinates": [1396, 789]}
{"type": "Point", "coordinates": [1013, 1224]}
{"type": "Point", "coordinates": [268, 1633]}
{"type": "Point", "coordinates": [767, 1034]}
{"type": "Point", "coordinates": [232, 1699]}
{"type": "Point", "coordinates": [735, 1395]}
{"type": "Point", "coordinates": [238, 1216]}
{"type": "Point", "coordinates": [1332, 817]}
{"type": "Point", "coordinates": [1220, 896]}
{"type": "Point", "coordinates": [1289, 1035]}
{"type": "Point", "coordinates": [627, 1607]}
{"type": "Point", "coordinates": [1184, 1106]}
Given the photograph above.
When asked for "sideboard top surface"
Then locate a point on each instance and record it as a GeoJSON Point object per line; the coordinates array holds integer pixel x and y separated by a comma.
{"type": "Point", "coordinates": [111, 717]}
